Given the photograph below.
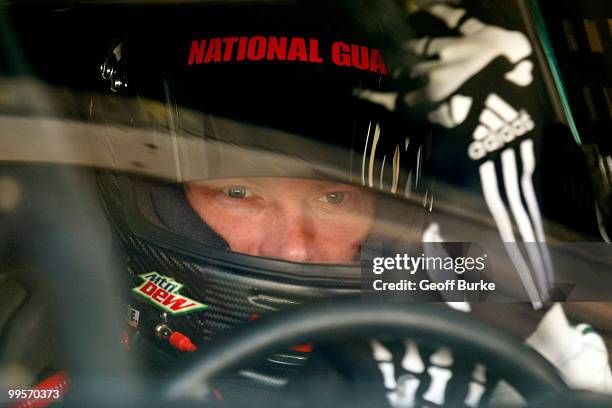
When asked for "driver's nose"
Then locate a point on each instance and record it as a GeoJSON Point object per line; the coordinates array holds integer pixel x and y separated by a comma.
{"type": "Point", "coordinates": [289, 238]}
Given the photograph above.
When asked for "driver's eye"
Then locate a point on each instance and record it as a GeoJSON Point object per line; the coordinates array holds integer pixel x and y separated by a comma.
{"type": "Point", "coordinates": [237, 192]}
{"type": "Point", "coordinates": [334, 198]}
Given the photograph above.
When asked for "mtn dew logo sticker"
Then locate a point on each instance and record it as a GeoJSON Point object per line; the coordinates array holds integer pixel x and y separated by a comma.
{"type": "Point", "coordinates": [163, 292]}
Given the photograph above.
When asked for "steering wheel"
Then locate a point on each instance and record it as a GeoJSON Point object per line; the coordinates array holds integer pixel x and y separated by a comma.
{"type": "Point", "coordinates": [523, 368]}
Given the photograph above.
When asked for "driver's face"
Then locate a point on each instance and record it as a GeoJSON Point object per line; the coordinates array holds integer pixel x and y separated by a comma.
{"type": "Point", "coordinates": [292, 219]}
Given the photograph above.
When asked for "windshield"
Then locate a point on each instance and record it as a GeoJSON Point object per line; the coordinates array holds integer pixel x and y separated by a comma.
{"type": "Point", "coordinates": [170, 174]}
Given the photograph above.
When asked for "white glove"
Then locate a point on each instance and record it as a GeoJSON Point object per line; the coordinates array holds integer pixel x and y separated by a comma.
{"type": "Point", "coordinates": [578, 352]}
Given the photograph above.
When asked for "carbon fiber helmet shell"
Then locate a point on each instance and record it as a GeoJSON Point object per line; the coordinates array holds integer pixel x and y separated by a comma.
{"type": "Point", "coordinates": [183, 121]}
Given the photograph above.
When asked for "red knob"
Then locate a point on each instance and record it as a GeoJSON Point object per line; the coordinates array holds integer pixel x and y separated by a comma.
{"type": "Point", "coordinates": [182, 342]}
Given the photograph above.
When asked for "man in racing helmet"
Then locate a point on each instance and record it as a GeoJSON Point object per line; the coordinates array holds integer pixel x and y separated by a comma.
{"type": "Point", "coordinates": [268, 217]}
{"type": "Point", "coordinates": [256, 171]}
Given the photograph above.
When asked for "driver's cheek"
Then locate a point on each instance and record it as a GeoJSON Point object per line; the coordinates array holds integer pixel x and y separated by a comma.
{"type": "Point", "coordinates": [245, 235]}
{"type": "Point", "coordinates": [242, 230]}
{"type": "Point", "coordinates": [339, 242]}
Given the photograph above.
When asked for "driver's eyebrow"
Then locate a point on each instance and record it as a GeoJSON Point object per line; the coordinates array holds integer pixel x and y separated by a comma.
{"type": "Point", "coordinates": [341, 186]}
{"type": "Point", "coordinates": [316, 186]}
{"type": "Point", "coordinates": [223, 182]}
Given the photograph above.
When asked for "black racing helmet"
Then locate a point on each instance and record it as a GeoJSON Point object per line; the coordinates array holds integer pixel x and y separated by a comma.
{"type": "Point", "coordinates": [201, 99]}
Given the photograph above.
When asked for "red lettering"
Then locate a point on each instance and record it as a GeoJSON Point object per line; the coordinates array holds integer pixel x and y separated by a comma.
{"type": "Point", "coordinates": [314, 51]}
{"type": "Point", "coordinates": [360, 57]}
{"type": "Point", "coordinates": [229, 47]}
{"type": "Point", "coordinates": [197, 52]}
{"type": "Point", "coordinates": [214, 51]}
{"type": "Point", "coordinates": [257, 48]}
{"type": "Point", "coordinates": [177, 303]}
{"type": "Point", "coordinates": [277, 48]}
{"type": "Point", "coordinates": [297, 50]}
{"type": "Point", "coordinates": [148, 288]}
{"type": "Point", "coordinates": [341, 54]}
{"type": "Point", "coordinates": [377, 63]}
{"type": "Point", "coordinates": [160, 295]}
{"type": "Point", "coordinates": [242, 48]}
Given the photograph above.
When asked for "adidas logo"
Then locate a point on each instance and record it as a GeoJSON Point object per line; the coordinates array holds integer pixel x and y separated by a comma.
{"type": "Point", "coordinates": [500, 124]}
